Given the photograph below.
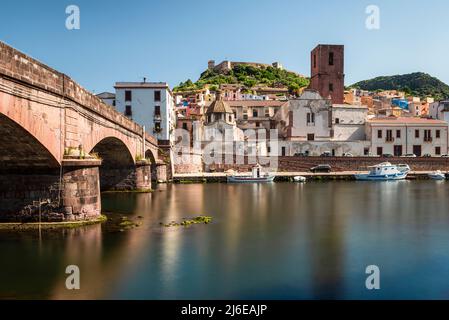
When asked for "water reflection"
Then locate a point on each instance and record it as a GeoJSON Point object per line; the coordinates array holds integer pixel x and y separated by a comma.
{"type": "Point", "coordinates": [268, 241]}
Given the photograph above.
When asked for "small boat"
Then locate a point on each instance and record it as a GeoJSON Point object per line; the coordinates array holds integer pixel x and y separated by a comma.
{"type": "Point", "coordinates": [299, 179]}
{"type": "Point", "coordinates": [256, 176]}
{"type": "Point", "coordinates": [383, 172]}
{"type": "Point", "coordinates": [437, 175]}
{"type": "Point", "coordinates": [404, 168]}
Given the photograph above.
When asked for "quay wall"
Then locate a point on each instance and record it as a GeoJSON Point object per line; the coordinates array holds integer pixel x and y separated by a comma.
{"type": "Point", "coordinates": [303, 164]}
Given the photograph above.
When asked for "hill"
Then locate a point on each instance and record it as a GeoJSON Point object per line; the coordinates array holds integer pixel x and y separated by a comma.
{"type": "Point", "coordinates": [248, 76]}
{"type": "Point", "coordinates": [415, 84]}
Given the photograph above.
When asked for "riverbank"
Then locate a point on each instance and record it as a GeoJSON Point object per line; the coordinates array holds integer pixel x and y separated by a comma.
{"type": "Point", "coordinates": [209, 177]}
{"type": "Point", "coordinates": [50, 225]}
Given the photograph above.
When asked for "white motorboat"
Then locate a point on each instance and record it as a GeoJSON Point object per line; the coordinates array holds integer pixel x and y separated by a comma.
{"type": "Point", "coordinates": [256, 176]}
{"type": "Point", "coordinates": [300, 179]}
{"type": "Point", "coordinates": [404, 168]}
{"type": "Point", "coordinates": [437, 175]}
{"type": "Point", "coordinates": [383, 172]}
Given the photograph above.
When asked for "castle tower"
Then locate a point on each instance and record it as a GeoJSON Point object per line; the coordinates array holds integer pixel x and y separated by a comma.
{"type": "Point", "coordinates": [327, 72]}
{"type": "Point", "coordinates": [211, 64]}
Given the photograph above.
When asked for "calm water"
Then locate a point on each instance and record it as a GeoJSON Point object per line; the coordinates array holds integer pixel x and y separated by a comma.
{"type": "Point", "coordinates": [271, 241]}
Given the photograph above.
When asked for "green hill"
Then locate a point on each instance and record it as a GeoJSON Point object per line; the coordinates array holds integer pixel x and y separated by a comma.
{"type": "Point", "coordinates": [248, 76]}
{"type": "Point", "coordinates": [415, 84]}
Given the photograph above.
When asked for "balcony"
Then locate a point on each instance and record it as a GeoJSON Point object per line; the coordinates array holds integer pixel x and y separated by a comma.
{"type": "Point", "coordinates": [428, 139]}
{"type": "Point", "coordinates": [389, 139]}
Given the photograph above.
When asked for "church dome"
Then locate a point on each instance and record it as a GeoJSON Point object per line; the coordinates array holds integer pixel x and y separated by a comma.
{"type": "Point", "coordinates": [219, 106]}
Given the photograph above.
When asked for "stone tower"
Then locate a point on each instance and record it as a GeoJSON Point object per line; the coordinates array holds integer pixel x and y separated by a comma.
{"type": "Point", "coordinates": [327, 72]}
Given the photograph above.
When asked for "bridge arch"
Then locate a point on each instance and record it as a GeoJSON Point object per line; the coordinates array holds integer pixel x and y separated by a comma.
{"type": "Point", "coordinates": [117, 164]}
{"type": "Point", "coordinates": [29, 172]}
{"type": "Point", "coordinates": [20, 149]}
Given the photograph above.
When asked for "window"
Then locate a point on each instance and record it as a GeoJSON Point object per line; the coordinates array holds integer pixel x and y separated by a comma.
{"type": "Point", "coordinates": [314, 60]}
{"type": "Point", "coordinates": [379, 134]}
{"type": "Point", "coordinates": [128, 95]}
{"type": "Point", "coordinates": [267, 113]}
{"type": "Point", "coordinates": [310, 118]}
{"type": "Point", "coordinates": [157, 96]}
{"type": "Point", "coordinates": [416, 133]}
{"type": "Point", "coordinates": [398, 151]}
{"type": "Point", "coordinates": [157, 127]}
{"type": "Point", "coordinates": [113, 103]}
{"type": "Point", "coordinates": [389, 135]}
{"type": "Point", "coordinates": [310, 137]}
{"type": "Point", "coordinates": [331, 87]}
{"type": "Point", "coordinates": [366, 151]}
{"type": "Point", "coordinates": [437, 134]}
{"type": "Point", "coordinates": [255, 114]}
{"type": "Point", "coordinates": [245, 116]}
{"type": "Point", "coordinates": [438, 151]}
{"type": "Point", "coordinates": [337, 120]}
{"type": "Point", "coordinates": [184, 126]}
{"type": "Point", "coordinates": [398, 134]}
{"type": "Point", "coordinates": [157, 110]}
{"type": "Point", "coordinates": [257, 124]}
{"type": "Point", "coordinates": [230, 118]}
{"type": "Point", "coordinates": [380, 151]}
{"type": "Point", "coordinates": [427, 135]}
{"type": "Point", "coordinates": [128, 111]}
{"type": "Point", "coordinates": [283, 151]}
{"type": "Point", "coordinates": [331, 58]}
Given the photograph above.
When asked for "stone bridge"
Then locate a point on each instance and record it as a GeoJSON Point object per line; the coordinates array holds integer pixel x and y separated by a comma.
{"type": "Point", "coordinates": [60, 145]}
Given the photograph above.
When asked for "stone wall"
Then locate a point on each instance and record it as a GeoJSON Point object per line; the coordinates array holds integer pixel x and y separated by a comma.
{"type": "Point", "coordinates": [81, 190]}
{"type": "Point", "coordinates": [190, 163]}
{"type": "Point", "coordinates": [125, 178]}
{"type": "Point", "coordinates": [19, 193]}
{"type": "Point", "coordinates": [338, 164]}
{"type": "Point", "coordinates": [291, 164]}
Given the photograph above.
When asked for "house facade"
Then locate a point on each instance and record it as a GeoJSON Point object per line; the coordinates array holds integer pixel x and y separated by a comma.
{"type": "Point", "coordinates": [399, 136]}
{"type": "Point", "coordinates": [439, 110]}
{"type": "Point", "coordinates": [150, 104]}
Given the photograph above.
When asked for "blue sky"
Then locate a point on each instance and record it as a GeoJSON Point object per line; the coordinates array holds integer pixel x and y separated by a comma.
{"type": "Point", "coordinates": [172, 40]}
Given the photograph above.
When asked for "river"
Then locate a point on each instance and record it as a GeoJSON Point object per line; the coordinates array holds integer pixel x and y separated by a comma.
{"type": "Point", "coordinates": [266, 241]}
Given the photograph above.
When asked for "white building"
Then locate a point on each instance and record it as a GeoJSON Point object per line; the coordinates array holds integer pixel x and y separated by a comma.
{"type": "Point", "coordinates": [150, 104]}
{"type": "Point", "coordinates": [399, 136]}
{"type": "Point", "coordinates": [439, 110]}
{"type": "Point", "coordinates": [108, 98]}
{"type": "Point", "coordinates": [348, 122]}
{"type": "Point", "coordinates": [312, 125]}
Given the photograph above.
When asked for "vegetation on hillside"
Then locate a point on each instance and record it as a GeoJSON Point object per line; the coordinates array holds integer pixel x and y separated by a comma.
{"type": "Point", "coordinates": [247, 76]}
{"type": "Point", "coordinates": [417, 84]}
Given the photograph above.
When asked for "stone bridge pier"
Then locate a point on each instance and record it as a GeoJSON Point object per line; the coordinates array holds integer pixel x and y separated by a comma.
{"type": "Point", "coordinates": [84, 180]}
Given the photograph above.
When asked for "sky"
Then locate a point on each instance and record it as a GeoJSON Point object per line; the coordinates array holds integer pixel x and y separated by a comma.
{"type": "Point", "coordinates": [172, 40]}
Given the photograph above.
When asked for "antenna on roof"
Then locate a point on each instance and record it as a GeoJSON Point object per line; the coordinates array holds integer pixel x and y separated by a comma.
{"type": "Point", "coordinates": [144, 79]}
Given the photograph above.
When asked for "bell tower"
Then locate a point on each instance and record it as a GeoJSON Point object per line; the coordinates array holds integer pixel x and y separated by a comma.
{"type": "Point", "coordinates": [327, 72]}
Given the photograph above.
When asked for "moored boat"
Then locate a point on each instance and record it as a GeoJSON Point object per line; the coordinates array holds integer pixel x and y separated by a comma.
{"type": "Point", "coordinates": [437, 175]}
{"type": "Point", "coordinates": [404, 168]}
{"type": "Point", "coordinates": [299, 179]}
{"type": "Point", "coordinates": [383, 172]}
{"type": "Point", "coordinates": [256, 176]}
